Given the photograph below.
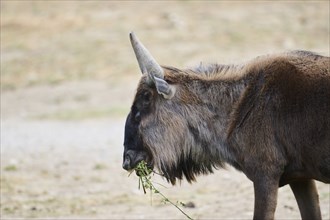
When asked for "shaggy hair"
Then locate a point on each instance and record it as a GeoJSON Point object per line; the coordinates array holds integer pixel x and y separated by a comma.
{"type": "Point", "coordinates": [221, 113]}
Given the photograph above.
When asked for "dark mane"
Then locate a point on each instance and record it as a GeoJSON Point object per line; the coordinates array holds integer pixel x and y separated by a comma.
{"type": "Point", "coordinates": [212, 69]}
{"type": "Point", "coordinates": [209, 71]}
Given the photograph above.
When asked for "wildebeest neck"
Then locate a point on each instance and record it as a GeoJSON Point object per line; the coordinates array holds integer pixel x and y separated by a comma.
{"type": "Point", "coordinates": [192, 126]}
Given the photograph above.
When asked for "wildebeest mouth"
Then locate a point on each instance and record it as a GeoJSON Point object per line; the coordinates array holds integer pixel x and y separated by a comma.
{"type": "Point", "coordinates": [133, 158]}
{"type": "Point", "coordinates": [142, 171]}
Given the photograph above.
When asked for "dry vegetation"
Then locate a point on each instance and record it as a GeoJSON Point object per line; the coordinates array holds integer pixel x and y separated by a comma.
{"type": "Point", "coordinates": [68, 76]}
{"type": "Point", "coordinates": [50, 42]}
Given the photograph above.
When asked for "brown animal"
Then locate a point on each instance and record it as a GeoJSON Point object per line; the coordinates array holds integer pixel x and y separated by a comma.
{"type": "Point", "coordinates": [269, 118]}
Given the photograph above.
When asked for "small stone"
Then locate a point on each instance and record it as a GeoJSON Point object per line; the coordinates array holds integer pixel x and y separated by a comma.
{"type": "Point", "coordinates": [189, 205]}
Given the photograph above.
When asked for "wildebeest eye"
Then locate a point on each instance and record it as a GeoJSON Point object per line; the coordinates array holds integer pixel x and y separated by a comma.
{"type": "Point", "coordinates": [147, 97]}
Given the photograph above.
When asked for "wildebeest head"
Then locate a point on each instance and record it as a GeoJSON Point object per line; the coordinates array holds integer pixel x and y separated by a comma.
{"type": "Point", "coordinates": [160, 128]}
{"type": "Point", "coordinates": [152, 82]}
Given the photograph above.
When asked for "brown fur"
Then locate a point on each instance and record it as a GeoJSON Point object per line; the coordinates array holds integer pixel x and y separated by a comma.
{"type": "Point", "coordinates": [269, 118]}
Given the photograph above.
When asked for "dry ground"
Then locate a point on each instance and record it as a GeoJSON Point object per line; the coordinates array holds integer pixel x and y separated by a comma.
{"type": "Point", "coordinates": [68, 77]}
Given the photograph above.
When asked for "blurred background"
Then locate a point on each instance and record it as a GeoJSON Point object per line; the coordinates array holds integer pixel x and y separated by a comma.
{"type": "Point", "coordinates": [68, 77]}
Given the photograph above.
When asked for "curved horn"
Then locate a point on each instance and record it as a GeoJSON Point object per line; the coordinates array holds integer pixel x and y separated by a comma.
{"type": "Point", "coordinates": [146, 62]}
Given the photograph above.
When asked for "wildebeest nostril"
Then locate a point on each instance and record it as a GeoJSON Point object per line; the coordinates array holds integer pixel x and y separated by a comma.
{"type": "Point", "coordinates": [127, 163]}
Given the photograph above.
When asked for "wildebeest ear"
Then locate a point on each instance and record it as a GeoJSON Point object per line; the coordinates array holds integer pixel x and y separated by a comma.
{"type": "Point", "coordinates": [148, 65]}
{"type": "Point", "coordinates": [164, 88]}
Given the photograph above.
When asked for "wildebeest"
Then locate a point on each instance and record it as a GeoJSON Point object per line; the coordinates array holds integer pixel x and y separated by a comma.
{"type": "Point", "coordinates": [269, 118]}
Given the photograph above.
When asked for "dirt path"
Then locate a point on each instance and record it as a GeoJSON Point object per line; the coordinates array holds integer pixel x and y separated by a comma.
{"type": "Point", "coordinates": [72, 168]}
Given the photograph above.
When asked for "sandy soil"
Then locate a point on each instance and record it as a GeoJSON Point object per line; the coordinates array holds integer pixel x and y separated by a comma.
{"type": "Point", "coordinates": [54, 168]}
{"type": "Point", "coordinates": [68, 76]}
